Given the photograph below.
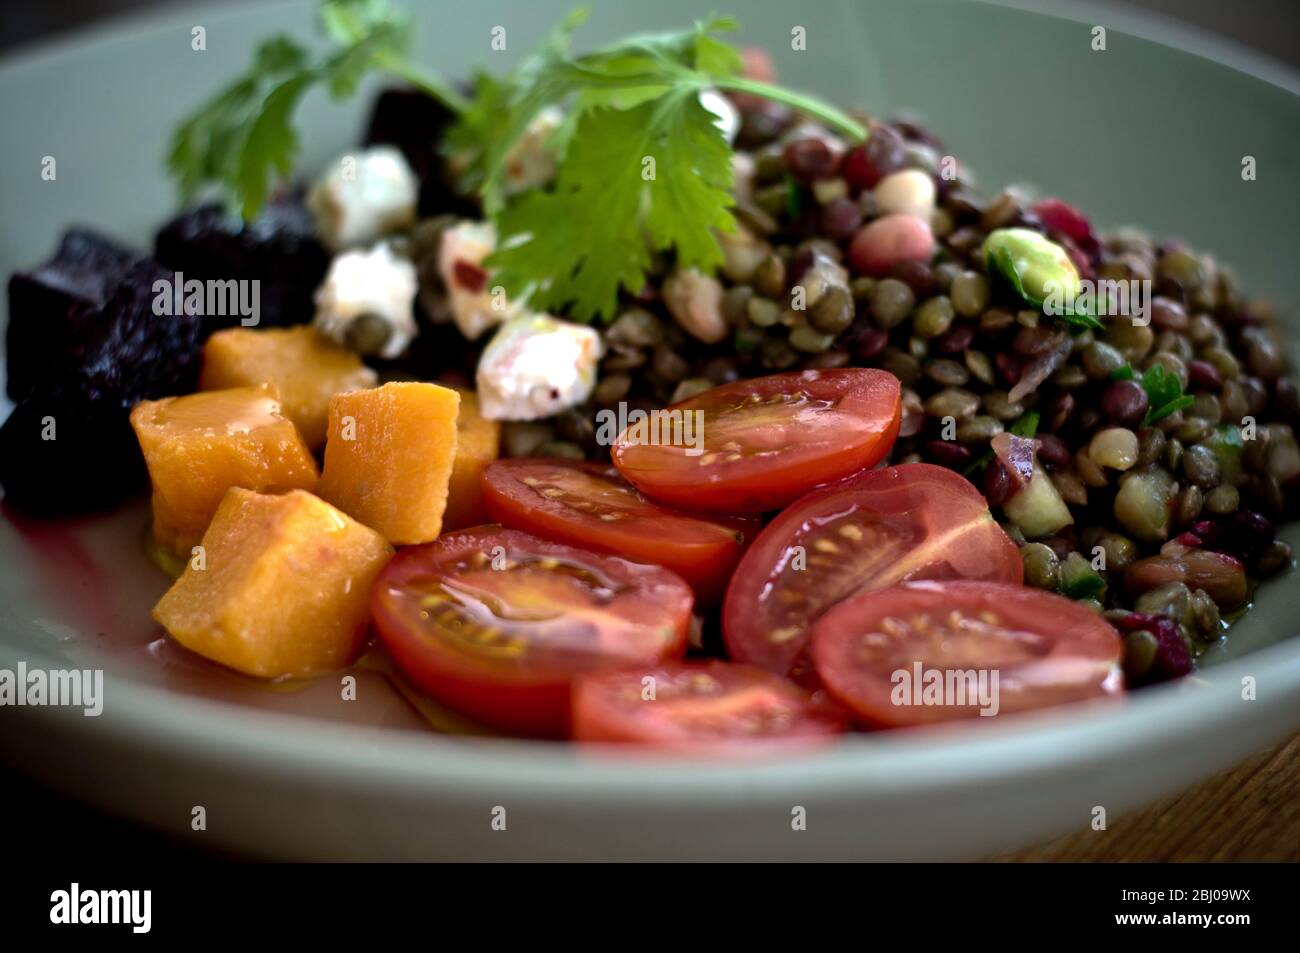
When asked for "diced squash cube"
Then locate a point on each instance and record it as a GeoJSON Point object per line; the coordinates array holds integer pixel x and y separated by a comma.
{"type": "Point", "coordinates": [478, 443]}
{"type": "Point", "coordinates": [307, 367]}
{"type": "Point", "coordinates": [389, 456]}
{"type": "Point", "coordinates": [283, 588]}
{"type": "Point", "coordinates": [198, 446]}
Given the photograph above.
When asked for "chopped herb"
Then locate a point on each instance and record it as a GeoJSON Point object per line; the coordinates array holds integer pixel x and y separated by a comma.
{"type": "Point", "coordinates": [793, 197]}
{"type": "Point", "coordinates": [1122, 373]}
{"type": "Point", "coordinates": [1026, 425]}
{"type": "Point", "coordinates": [1164, 394]}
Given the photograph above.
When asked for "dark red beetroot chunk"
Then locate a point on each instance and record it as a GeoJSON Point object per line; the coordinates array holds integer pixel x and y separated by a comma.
{"type": "Point", "coordinates": [51, 305]}
{"type": "Point", "coordinates": [1172, 658]}
{"type": "Point", "coordinates": [415, 124]}
{"type": "Point", "coordinates": [123, 353]}
{"type": "Point", "coordinates": [1066, 220]}
{"type": "Point", "coordinates": [278, 249]}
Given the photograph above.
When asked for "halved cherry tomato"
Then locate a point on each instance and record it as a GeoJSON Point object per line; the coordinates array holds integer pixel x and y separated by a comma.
{"type": "Point", "coordinates": [591, 505]}
{"type": "Point", "coordinates": [914, 521]}
{"type": "Point", "coordinates": [926, 652]}
{"type": "Point", "coordinates": [756, 445]}
{"type": "Point", "coordinates": [495, 623]}
{"type": "Point", "coordinates": [706, 707]}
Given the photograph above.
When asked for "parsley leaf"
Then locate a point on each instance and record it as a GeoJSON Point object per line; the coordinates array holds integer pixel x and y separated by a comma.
{"type": "Point", "coordinates": [575, 246]}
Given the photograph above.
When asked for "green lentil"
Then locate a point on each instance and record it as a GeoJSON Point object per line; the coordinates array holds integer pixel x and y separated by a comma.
{"type": "Point", "coordinates": [810, 340]}
{"type": "Point", "coordinates": [1140, 648]}
{"type": "Point", "coordinates": [933, 317]}
{"type": "Point", "coordinates": [833, 311]}
{"type": "Point", "coordinates": [891, 302]}
{"type": "Point", "coordinates": [1042, 567]}
{"type": "Point", "coordinates": [969, 293]}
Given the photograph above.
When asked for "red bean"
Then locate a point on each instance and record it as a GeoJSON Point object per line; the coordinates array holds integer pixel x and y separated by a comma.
{"type": "Point", "coordinates": [1202, 375]}
{"type": "Point", "coordinates": [917, 275]}
{"type": "Point", "coordinates": [956, 339]}
{"type": "Point", "coordinates": [997, 483]}
{"type": "Point", "coordinates": [1124, 402]}
{"type": "Point", "coordinates": [1168, 315]}
{"type": "Point", "coordinates": [1009, 365]}
{"type": "Point", "coordinates": [809, 159]}
{"type": "Point", "coordinates": [947, 453]}
{"type": "Point", "coordinates": [1052, 452]}
{"type": "Point", "coordinates": [871, 341]}
{"type": "Point", "coordinates": [840, 219]}
{"type": "Point", "coordinates": [884, 152]}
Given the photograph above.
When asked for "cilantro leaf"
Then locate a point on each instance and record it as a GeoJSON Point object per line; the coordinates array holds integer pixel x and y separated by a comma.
{"type": "Point", "coordinates": [574, 247]}
{"type": "Point", "coordinates": [1122, 373]}
{"type": "Point", "coordinates": [1164, 394]}
{"type": "Point", "coordinates": [1026, 425]}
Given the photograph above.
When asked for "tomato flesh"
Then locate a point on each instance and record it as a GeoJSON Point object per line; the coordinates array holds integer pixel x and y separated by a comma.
{"type": "Point", "coordinates": [496, 623]}
{"type": "Point", "coordinates": [762, 443]}
{"type": "Point", "coordinates": [913, 521]}
{"type": "Point", "coordinates": [707, 707]}
{"type": "Point", "coordinates": [591, 505]}
{"type": "Point", "coordinates": [914, 654]}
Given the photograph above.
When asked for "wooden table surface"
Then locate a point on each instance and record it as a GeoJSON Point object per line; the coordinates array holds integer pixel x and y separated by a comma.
{"type": "Point", "coordinates": [1249, 813]}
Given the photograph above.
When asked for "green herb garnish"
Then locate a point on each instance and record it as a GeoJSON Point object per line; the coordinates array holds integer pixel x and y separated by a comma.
{"type": "Point", "coordinates": [1164, 391]}
{"type": "Point", "coordinates": [1026, 424]}
{"type": "Point", "coordinates": [642, 166]}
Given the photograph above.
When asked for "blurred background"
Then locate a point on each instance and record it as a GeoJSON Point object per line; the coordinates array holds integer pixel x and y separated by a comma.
{"type": "Point", "coordinates": [1271, 27]}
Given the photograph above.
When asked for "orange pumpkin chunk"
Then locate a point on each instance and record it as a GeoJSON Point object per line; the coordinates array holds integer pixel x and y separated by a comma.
{"type": "Point", "coordinates": [307, 367]}
{"type": "Point", "coordinates": [389, 457]}
{"type": "Point", "coordinates": [281, 587]}
{"type": "Point", "coordinates": [478, 443]}
{"type": "Point", "coordinates": [198, 446]}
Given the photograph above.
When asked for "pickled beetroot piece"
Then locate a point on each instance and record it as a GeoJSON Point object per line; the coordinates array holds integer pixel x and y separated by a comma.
{"type": "Point", "coordinates": [278, 249]}
{"type": "Point", "coordinates": [125, 353]}
{"type": "Point", "coordinates": [51, 305]}
{"type": "Point", "coordinates": [1068, 222]}
{"type": "Point", "coordinates": [415, 124]}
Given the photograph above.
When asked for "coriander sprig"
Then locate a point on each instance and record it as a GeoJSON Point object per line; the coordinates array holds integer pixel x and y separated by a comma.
{"type": "Point", "coordinates": [642, 167]}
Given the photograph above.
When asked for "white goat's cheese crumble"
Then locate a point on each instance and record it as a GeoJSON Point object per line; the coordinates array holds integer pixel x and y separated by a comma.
{"type": "Point", "coordinates": [375, 282]}
{"type": "Point", "coordinates": [536, 366]}
{"type": "Point", "coordinates": [474, 305]}
{"type": "Point", "coordinates": [364, 197]}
